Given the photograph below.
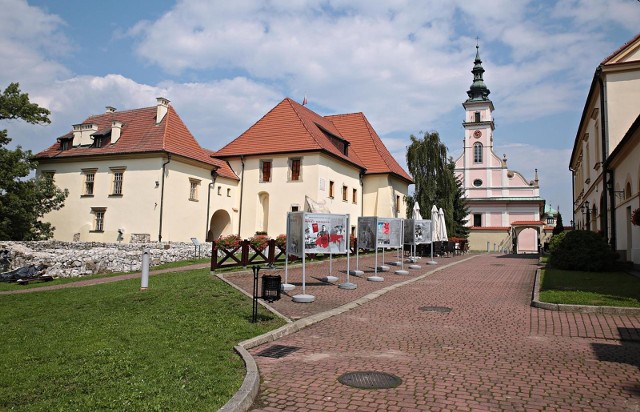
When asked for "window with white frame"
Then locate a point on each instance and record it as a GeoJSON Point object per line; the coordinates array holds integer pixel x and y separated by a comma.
{"type": "Point", "coordinates": [477, 153]}
{"type": "Point", "coordinates": [194, 185]}
{"type": "Point", "coordinates": [89, 181]}
{"type": "Point", "coordinates": [118, 180]}
{"type": "Point", "coordinates": [98, 218]}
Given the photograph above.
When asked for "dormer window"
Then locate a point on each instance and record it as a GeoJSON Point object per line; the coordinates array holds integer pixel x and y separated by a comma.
{"type": "Point", "coordinates": [64, 144]}
{"type": "Point", "coordinates": [97, 141]}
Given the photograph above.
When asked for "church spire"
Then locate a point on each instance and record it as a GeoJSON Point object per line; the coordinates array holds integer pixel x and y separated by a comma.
{"type": "Point", "coordinates": [478, 90]}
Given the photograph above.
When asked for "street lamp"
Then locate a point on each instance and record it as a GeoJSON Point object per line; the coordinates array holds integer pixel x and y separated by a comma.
{"type": "Point", "coordinates": [586, 211]}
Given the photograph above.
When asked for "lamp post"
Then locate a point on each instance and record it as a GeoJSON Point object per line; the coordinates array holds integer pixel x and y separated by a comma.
{"type": "Point", "coordinates": [586, 212]}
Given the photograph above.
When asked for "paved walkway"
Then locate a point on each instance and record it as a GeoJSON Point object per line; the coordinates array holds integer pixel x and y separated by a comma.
{"type": "Point", "coordinates": [493, 351]}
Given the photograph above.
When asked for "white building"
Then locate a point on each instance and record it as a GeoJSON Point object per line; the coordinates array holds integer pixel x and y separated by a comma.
{"type": "Point", "coordinates": [139, 175]}
{"type": "Point", "coordinates": [604, 162]}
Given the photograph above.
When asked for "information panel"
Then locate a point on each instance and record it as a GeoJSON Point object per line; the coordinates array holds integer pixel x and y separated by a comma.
{"type": "Point", "coordinates": [417, 231]}
{"type": "Point", "coordinates": [325, 233]}
{"type": "Point", "coordinates": [367, 232]}
{"type": "Point", "coordinates": [294, 234]}
{"type": "Point", "coordinates": [389, 232]}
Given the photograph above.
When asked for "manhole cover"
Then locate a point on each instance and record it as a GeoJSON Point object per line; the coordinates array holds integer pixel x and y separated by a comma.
{"type": "Point", "coordinates": [277, 351]}
{"type": "Point", "coordinates": [370, 380]}
{"type": "Point", "coordinates": [438, 309]}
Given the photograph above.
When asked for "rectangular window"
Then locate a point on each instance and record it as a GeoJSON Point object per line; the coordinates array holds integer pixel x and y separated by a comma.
{"type": "Point", "coordinates": [354, 196]}
{"type": "Point", "coordinates": [118, 180]}
{"type": "Point", "coordinates": [265, 176]}
{"type": "Point", "coordinates": [219, 190]}
{"type": "Point", "coordinates": [97, 141]}
{"type": "Point", "coordinates": [64, 144]}
{"type": "Point", "coordinates": [330, 188]}
{"type": "Point", "coordinates": [477, 115]}
{"type": "Point", "coordinates": [194, 184]}
{"type": "Point", "coordinates": [295, 208]}
{"type": "Point", "coordinates": [294, 169]}
{"type": "Point", "coordinates": [98, 218]}
{"type": "Point", "coordinates": [477, 220]}
{"type": "Point", "coordinates": [228, 192]}
{"type": "Point", "coordinates": [397, 204]}
{"type": "Point", "coordinates": [344, 193]}
{"type": "Point", "coordinates": [89, 182]}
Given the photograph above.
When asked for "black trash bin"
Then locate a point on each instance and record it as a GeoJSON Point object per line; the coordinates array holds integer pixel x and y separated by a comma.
{"type": "Point", "coordinates": [271, 285]}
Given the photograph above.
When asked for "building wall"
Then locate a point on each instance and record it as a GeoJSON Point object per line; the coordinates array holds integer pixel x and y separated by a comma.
{"type": "Point", "coordinates": [623, 89]}
{"type": "Point", "coordinates": [627, 178]}
{"type": "Point", "coordinates": [277, 197]}
{"type": "Point", "coordinates": [137, 210]}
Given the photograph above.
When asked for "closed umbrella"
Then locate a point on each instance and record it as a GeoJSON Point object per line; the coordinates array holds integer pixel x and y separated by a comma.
{"type": "Point", "coordinates": [416, 211]}
{"type": "Point", "coordinates": [435, 224]}
{"type": "Point", "coordinates": [442, 226]}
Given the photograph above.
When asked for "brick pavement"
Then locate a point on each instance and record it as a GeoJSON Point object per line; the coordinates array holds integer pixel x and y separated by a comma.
{"type": "Point", "coordinates": [489, 353]}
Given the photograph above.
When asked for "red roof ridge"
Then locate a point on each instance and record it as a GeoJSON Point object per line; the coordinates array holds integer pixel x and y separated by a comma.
{"type": "Point", "coordinates": [620, 49]}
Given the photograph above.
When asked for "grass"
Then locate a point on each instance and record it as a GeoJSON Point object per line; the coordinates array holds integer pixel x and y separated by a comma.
{"type": "Point", "coordinates": [590, 288]}
{"type": "Point", "coordinates": [59, 281]}
{"type": "Point", "coordinates": [112, 347]}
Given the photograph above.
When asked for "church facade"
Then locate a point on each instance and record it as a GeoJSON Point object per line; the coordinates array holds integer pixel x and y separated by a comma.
{"type": "Point", "coordinates": [505, 208]}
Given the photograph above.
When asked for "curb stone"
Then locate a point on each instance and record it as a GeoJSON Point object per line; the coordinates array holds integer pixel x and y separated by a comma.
{"type": "Point", "coordinates": [559, 307]}
{"type": "Point", "coordinates": [244, 397]}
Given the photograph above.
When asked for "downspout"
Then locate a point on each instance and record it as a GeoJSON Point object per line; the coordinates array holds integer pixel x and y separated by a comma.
{"type": "Point", "coordinates": [164, 165]}
{"type": "Point", "coordinates": [605, 166]}
{"type": "Point", "coordinates": [241, 193]}
{"type": "Point", "coordinates": [214, 176]}
{"type": "Point", "coordinates": [361, 193]}
{"type": "Point", "coordinates": [573, 197]}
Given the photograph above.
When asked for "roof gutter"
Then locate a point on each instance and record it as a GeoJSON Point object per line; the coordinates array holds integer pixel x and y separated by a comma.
{"type": "Point", "coordinates": [241, 193]}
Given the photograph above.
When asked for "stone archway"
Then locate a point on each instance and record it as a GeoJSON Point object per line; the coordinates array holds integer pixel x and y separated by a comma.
{"type": "Point", "coordinates": [220, 225]}
{"type": "Point", "coordinates": [526, 236]}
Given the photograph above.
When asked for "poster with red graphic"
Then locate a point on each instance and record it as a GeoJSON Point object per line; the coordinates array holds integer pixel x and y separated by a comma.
{"type": "Point", "coordinates": [389, 233]}
{"type": "Point", "coordinates": [325, 233]}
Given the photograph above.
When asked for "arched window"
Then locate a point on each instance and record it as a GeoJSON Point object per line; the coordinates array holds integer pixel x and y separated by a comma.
{"type": "Point", "coordinates": [627, 190]}
{"type": "Point", "coordinates": [477, 153]}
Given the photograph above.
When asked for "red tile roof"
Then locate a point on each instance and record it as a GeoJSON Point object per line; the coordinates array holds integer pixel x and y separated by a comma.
{"type": "Point", "coordinates": [620, 49]}
{"type": "Point", "coordinates": [290, 127]}
{"type": "Point", "coordinates": [365, 141]}
{"type": "Point", "coordinates": [141, 134]}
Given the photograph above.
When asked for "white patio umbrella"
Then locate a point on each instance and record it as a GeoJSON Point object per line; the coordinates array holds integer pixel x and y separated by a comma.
{"type": "Point", "coordinates": [434, 231]}
{"type": "Point", "coordinates": [442, 226]}
{"type": "Point", "coordinates": [416, 211]}
{"type": "Point", "coordinates": [435, 224]}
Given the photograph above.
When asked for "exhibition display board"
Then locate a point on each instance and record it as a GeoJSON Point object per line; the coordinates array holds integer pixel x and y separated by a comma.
{"type": "Point", "coordinates": [417, 231]}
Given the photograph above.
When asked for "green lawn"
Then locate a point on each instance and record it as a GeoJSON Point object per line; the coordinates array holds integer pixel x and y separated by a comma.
{"type": "Point", "coordinates": [590, 288]}
{"type": "Point", "coordinates": [112, 347]}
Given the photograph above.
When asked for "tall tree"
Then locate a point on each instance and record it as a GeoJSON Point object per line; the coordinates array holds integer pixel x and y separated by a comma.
{"type": "Point", "coordinates": [23, 201]}
{"type": "Point", "coordinates": [559, 228]}
{"type": "Point", "coordinates": [435, 182]}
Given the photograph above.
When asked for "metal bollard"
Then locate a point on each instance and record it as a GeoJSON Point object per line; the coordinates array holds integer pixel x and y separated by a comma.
{"type": "Point", "coordinates": [144, 281]}
{"type": "Point", "coordinates": [488, 247]}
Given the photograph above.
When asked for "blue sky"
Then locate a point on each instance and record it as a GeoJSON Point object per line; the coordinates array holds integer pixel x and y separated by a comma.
{"type": "Point", "coordinates": [405, 64]}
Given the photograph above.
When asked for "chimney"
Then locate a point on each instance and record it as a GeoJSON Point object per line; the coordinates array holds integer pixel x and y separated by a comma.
{"type": "Point", "coordinates": [163, 106]}
{"type": "Point", "coordinates": [116, 129]}
{"type": "Point", "coordinates": [110, 109]}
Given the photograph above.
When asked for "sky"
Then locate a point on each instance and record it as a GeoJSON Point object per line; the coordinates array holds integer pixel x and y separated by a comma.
{"type": "Point", "coordinates": [405, 64]}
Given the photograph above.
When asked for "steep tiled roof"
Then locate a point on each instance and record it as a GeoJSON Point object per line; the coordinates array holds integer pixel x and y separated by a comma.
{"type": "Point", "coordinates": [290, 127]}
{"type": "Point", "coordinates": [365, 141]}
{"type": "Point", "coordinates": [620, 49]}
{"type": "Point", "coordinates": [141, 134]}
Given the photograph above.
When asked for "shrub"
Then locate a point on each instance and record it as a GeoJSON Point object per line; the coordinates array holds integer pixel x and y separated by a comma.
{"type": "Point", "coordinates": [228, 242]}
{"type": "Point", "coordinates": [259, 242]}
{"type": "Point", "coordinates": [579, 250]}
{"type": "Point", "coordinates": [281, 241]}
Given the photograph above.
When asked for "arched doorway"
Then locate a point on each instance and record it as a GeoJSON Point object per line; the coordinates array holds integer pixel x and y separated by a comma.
{"type": "Point", "coordinates": [262, 222]}
{"type": "Point", "coordinates": [220, 225]}
{"type": "Point", "coordinates": [528, 240]}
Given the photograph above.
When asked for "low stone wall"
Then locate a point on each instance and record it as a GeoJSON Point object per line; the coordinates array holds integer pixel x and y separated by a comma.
{"type": "Point", "coordinates": [69, 259]}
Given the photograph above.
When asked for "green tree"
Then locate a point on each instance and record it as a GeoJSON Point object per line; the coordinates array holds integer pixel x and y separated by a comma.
{"type": "Point", "coordinates": [559, 226]}
{"type": "Point", "coordinates": [23, 200]}
{"type": "Point", "coordinates": [435, 182]}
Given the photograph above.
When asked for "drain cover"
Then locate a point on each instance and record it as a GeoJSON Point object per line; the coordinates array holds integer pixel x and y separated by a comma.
{"type": "Point", "coordinates": [439, 309]}
{"type": "Point", "coordinates": [370, 380]}
{"type": "Point", "coordinates": [277, 351]}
